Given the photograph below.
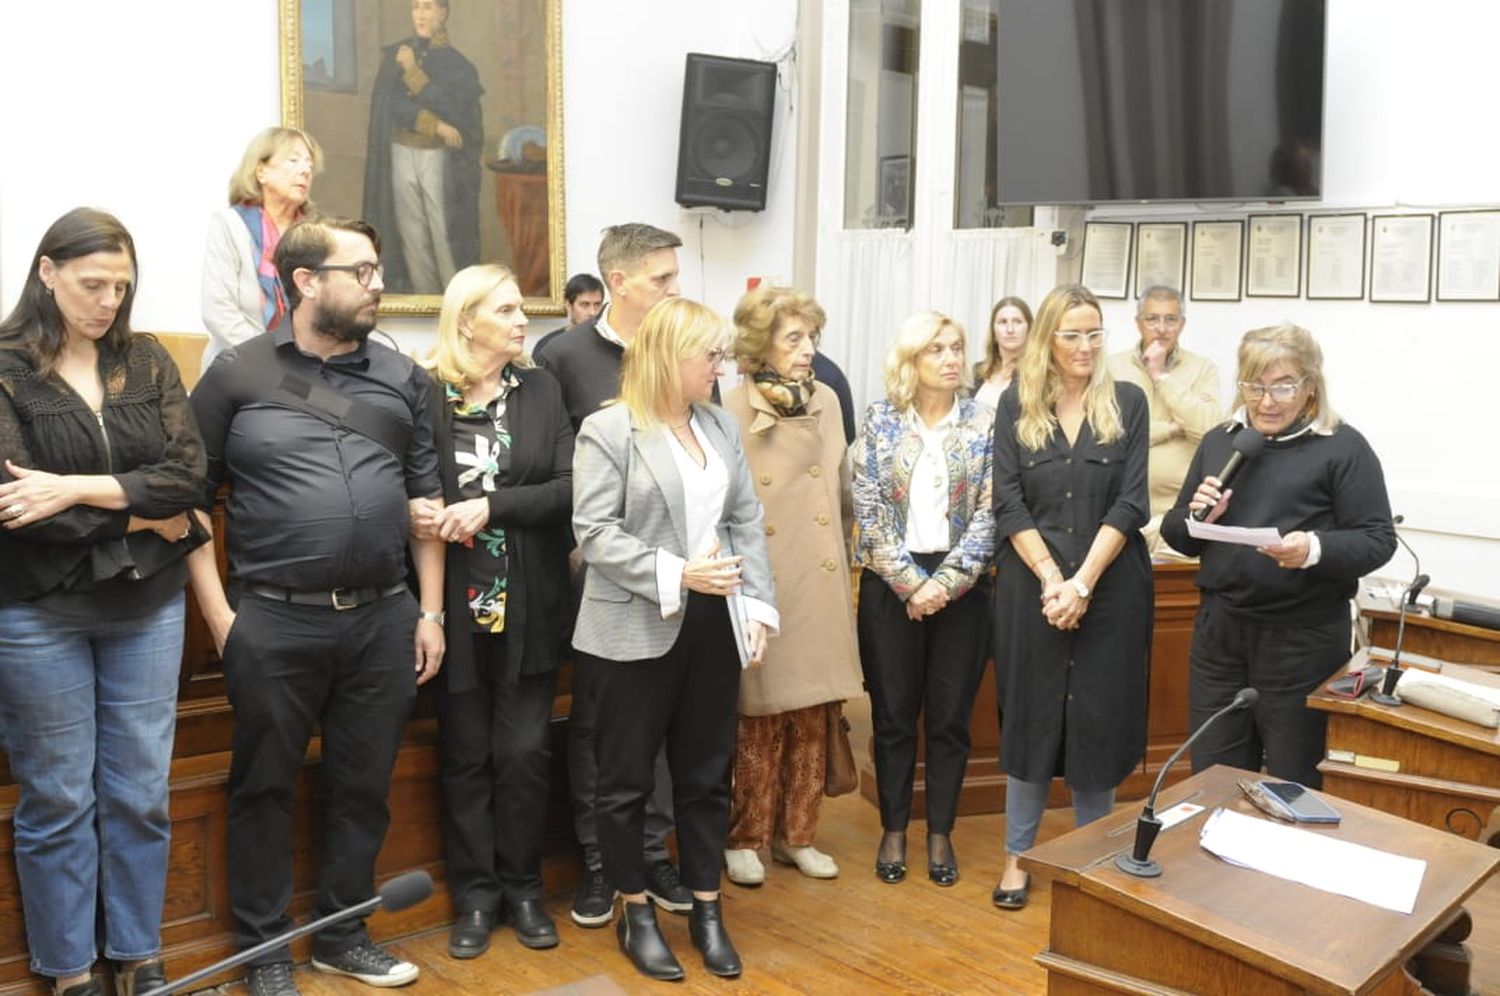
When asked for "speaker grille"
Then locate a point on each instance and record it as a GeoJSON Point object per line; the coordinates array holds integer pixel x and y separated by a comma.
{"type": "Point", "coordinates": [723, 152]}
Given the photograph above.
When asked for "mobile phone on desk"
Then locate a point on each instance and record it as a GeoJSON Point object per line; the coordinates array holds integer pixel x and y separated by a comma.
{"type": "Point", "coordinates": [1300, 804]}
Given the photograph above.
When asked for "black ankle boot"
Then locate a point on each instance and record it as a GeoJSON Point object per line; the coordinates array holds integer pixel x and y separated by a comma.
{"type": "Point", "coordinates": [706, 928]}
{"type": "Point", "coordinates": [643, 944]}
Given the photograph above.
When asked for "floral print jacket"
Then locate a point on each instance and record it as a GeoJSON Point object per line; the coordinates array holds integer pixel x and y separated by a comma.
{"type": "Point", "coordinates": [885, 453]}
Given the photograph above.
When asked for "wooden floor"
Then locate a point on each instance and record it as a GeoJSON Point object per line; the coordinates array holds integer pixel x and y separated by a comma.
{"type": "Point", "coordinates": [854, 934]}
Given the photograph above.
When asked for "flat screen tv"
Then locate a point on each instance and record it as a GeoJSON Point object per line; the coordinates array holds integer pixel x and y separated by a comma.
{"type": "Point", "coordinates": [1158, 100]}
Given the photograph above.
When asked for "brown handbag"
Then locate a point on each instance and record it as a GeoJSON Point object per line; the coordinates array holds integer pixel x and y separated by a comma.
{"type": "Point", "coordinates": [840, 776]}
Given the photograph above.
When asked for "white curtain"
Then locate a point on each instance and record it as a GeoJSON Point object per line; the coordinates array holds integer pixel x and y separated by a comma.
{"type": "Point", "coordinates": [882, 276]}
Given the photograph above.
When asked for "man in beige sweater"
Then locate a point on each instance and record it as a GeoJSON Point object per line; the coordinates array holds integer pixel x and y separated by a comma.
{"type": "Point", "coordinates": [1183, 389]}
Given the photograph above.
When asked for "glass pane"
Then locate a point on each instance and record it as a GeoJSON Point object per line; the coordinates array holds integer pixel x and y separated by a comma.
{"type": "Point", "coordinates": [974, 201]}
{"type": "Point", "coordinates": [881, 117]}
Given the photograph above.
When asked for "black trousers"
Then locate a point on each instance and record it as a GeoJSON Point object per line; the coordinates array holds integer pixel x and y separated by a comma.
{"type": "Point", "coordinates": [687, 700]}
{"type": "Point", "coordinates": [929, 669]}
{"type": "Point", "coordinates": [1285, 663]}
{"type": "Point", "coordinates": [495, 775]}
{"type": "Point", "coordinates": [286, 668]}
{"type": "Point", "coordinates": [583, 771]}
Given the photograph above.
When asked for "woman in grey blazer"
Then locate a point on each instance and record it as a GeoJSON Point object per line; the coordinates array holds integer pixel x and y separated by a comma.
{"type": "Point", "coordinates": [678, 596]}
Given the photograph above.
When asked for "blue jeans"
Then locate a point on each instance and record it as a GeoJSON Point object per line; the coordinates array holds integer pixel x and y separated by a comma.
{"type": "Point", "coordinates": [87, 712]}
{"type": "Point", "coordinates": [1026, 801]}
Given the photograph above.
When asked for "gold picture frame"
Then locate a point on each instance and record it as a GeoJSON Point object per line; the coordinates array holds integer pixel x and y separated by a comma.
{"type": "Point", "coordinates": [349, 43]}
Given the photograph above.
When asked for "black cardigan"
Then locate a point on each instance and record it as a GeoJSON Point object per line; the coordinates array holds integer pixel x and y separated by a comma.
{"type": "Point", "coordinates": [534, 507]}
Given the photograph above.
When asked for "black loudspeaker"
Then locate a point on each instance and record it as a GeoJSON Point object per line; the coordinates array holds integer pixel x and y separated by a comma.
{"type": "Point", "coordinates": [724, 151]}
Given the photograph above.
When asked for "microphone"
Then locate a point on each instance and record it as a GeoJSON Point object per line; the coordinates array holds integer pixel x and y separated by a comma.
{"type": "Point", "coordinates": [1138, 862]}
{"type": "Point", "coordinates": [1247, 446]}
{"type": "Point", "coordinates": [398, 894]}
{"type": "Point", "coordinates": [1386, 695]}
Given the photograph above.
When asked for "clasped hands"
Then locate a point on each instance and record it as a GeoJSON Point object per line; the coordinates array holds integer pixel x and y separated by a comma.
{"type": "Point", "coordinates": [1062, 606]}
{"type": "Point", "coordinates": [929, 597]}
{"type": "Point", "coordinates": [1291, 553]}
{"type": "Point", "coordinates": [456, 523]}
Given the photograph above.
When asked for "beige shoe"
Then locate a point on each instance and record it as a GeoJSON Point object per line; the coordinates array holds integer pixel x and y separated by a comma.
{"type": "Point", "coordinates": [744, 867]}
{"type": "Point", "coordinates": [809, 860]}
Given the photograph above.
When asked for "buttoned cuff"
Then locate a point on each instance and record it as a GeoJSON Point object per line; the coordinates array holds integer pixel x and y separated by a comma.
{"type": "Point", "coordinates": [1314, 551]}
{"type": "Point", "coordinates": [669, 582]}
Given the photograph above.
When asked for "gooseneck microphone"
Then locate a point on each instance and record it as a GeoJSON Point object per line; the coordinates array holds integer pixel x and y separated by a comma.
{"type": "Point", "coordinates": [1138, 862]}
{"type": "Point", "coordinates": [1386, 694]}
{"type": "Point", "coordinates": [396, 895]}
{"type": "Point", "coordinates": [1247, 446]}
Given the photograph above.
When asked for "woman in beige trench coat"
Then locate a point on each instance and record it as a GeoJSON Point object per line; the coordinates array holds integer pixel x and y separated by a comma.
{"type": "Point", "coordinates": [794, 444]}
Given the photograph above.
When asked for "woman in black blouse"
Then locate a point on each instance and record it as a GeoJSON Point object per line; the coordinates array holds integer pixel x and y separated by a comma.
{"type": "Point", "coordinates": [102, 462]}
{"type": "Point", "coordinates": [1074, 589]}
{"type": "Point", "coordinates": [506, 449]}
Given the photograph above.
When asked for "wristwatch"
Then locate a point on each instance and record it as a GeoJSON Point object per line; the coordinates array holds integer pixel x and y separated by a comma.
{"type": "Point", "coordinates": [1083, 590]}
{"type": "Point", "coordinates": [442, 617]}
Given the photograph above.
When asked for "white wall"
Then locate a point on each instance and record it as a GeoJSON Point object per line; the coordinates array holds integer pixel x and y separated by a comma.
{"type": "Point", "coordinates": [1418, 380]}
{"type": "Point", "coordinates": [110, 104]}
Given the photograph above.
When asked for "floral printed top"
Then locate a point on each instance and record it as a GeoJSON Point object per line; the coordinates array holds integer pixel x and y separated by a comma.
{"type": "Point", "coordinates": [885, 454]}
{"type": "Point", "coordinates": [481, 443]}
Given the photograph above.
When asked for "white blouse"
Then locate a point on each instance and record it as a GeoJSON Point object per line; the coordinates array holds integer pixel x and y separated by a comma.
{"type": "Point", "coordinates": [927, 495]}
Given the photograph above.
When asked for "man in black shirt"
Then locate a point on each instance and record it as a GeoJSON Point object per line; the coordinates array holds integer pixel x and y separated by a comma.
{"type": "Point", "coordinates": [639, 264]}
{"type": "Point", "coordinates": [324, 438]}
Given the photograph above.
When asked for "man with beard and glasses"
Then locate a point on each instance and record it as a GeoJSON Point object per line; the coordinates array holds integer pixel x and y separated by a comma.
{"type": "Point", "coordinates": [323, 436]}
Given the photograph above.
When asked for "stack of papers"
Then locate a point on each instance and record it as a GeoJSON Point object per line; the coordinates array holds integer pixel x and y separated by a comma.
{"type": "Point", "coordinates": [1241, 535]}
{"type": "Point", "coordinates": [1325, 862]}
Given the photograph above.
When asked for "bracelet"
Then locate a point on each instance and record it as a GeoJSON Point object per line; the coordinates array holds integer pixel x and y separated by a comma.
{"type": "Point", "coordinates": [434, 617]}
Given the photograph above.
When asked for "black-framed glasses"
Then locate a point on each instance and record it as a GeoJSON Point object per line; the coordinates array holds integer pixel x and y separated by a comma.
{"type": "Point", "coordinates": [1074, 340]}
{"type": "Point", "coordinates": [363, 272]}
{"type": "Point", "coordinates": [1278, 392]}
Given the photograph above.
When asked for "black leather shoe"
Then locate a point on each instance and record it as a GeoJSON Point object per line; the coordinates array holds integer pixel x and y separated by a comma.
{"type": "Point", "coordinates": [891, 871]}
{"type": "Point", "coordinates": [706, 928]}
{"type": "Point", "coordinates": [469, 936]}
{"type": "Point", "coordinates": [641, 940]}
{"type": "Point", "coordinates": [944, 875]}
{"type": "Point", "coordinates": [1011, 899]}
{"type": "Point", "coordinates": [534, 928]}
{"type": "Point", "coordinates": [151, 975]}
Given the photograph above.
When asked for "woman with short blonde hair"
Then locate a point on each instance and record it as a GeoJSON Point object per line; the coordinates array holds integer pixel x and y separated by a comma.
{"type": "Point", "coordinates": [926, 535]}
{"type": "Point", "coordinates": [269, 191]}
{"type": "Point", "coordinates": [792, 430]}
{"type": "Point", "coordinates": [1073, 593]}
{"type": "Point", "coordinates": [678, 595]}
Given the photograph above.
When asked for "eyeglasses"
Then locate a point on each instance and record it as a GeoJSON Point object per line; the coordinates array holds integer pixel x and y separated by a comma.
{"type": "Point", "coordinates": [715, 356]}
{"type": "Point", "coordinates": [1278, 392]}
{"type": "Point", "coordinates": [363, 272]}
{"type": "Point", "coordinates": [1160, 321]}
{"type": "Point", "coordinates": [1075, 340]}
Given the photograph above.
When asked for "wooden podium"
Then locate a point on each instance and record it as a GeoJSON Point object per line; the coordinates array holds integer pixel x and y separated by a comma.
{"type": "Point", "coordinates": [1206, 926]}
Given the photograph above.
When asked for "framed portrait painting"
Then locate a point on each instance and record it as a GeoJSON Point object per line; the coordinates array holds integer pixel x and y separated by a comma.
{"type": "Point", "coordinates": [441, 128]}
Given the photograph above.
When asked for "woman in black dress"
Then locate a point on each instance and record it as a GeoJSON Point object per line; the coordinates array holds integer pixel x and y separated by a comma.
{"type": "Point", "coordinates": [1073, 598]}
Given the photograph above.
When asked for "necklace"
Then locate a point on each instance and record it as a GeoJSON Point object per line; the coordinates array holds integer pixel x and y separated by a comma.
{"type": "Point", "coordinates": [687, 421]}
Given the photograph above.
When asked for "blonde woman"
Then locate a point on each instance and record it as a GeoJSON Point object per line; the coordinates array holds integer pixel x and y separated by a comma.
{"type": "Point", "coordinates": [505, 451]}
{"type": "Point", "coordinates": [793, 437]}
{"type": "Point", "coordinates": [668, 522]}
{"type": "Point", "coordinates": [926, 536]}
{"type": "Point", "coordinates": [1010, 321]}
{"type": "Point", "coordinates": [269, 192]}
{"type": "Point", "coordinates": [1074, 588]}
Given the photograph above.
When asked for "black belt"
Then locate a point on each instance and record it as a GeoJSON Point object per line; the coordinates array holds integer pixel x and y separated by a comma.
{"type": "Point", "coordinates": [339, 599]}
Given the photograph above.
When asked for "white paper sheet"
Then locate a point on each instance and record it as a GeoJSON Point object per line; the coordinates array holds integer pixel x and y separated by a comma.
{"type": "Point", "coordinates": [1243, 535]}
{"type": "Point", "coordinates": [1320, 860]}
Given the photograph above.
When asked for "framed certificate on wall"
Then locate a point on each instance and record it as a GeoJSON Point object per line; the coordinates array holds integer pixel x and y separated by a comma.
{"type": "Point", "coordinates": [1468, 267]}
{"type": "Point", "coordinates": [1218, 250]}
{"type": "Point", "coordinates": [1160, 255]}
{"type": "Point", "coordinates": [1106, 257]}
{"type": "Point", "coordinates": [1335, 257]}
{"type": "Point", "coordinates": [1401, 258]}
{"type": "Point", "coordinates": [1273, 256]}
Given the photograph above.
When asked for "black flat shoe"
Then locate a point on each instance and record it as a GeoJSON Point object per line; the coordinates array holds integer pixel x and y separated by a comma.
{"type": "Point", "coordinates": [469, 937]}
{"type": "Point", "coordinates": [534, 928]}
{"type": "Point", "coordinates": [706, 928]}
{"type": "Point", "coordinates": [641, 940]}
{"type": "Point", "coordinates": [944, 875]}
{"type": "Point", "coordinates": [891, 872]}
{"type": "Point", "coordinates": [1011, 899]}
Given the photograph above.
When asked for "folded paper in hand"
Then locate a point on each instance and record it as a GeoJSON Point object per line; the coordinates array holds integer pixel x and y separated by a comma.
{"type": "Point", "coordinates": [1242, 535]}
{"type": "Point", "coordinates": [1318, 859]}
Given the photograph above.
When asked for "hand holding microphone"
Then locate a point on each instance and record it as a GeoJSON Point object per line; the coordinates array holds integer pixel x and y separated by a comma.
{"type": "Point", "coordinates": [1212, 496]}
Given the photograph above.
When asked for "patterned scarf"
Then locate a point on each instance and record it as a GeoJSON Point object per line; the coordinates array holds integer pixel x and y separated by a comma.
{"type": "Point", "coordinates": [788, 397]}
{"type": "Point", "coordinates": [263, 239]}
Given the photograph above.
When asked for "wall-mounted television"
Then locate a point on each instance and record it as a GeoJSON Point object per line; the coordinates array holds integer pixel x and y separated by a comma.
{"type": "Point", "coordinates": [1158, 100]}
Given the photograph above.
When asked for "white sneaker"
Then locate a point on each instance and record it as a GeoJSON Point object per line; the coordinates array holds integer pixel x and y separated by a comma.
{"type": "Point", "coordinates": [809, 860]}
{"type": "Point", "coordinates": [744, 867]}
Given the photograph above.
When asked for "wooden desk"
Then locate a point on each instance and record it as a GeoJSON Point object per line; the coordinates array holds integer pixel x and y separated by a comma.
{"type": "Point", "coordinates": [1449, 774]}
{"type": "Point", "coordinates": [1166, 724]}
{"type": "Point", "coordinates": [1206, 926]}
{"type": "Point", "coordinates": [1441, 638]}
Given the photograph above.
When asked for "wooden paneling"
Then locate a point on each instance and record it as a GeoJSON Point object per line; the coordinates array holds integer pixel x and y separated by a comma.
{"type": "Point", "coordinates": [1167, 720]}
